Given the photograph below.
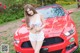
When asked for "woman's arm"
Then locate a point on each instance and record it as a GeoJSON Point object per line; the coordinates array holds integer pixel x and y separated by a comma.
{"type": "Point", "coordinates": [43, 24]}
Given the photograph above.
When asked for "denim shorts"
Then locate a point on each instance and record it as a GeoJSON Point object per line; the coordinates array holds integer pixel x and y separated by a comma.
{"type": "Point", "coordinates": [36, 37]}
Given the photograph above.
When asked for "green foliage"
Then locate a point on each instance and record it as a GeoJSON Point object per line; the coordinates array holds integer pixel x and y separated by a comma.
{"type": "Point", "coordinates": [15, 7]}
{"type": "Point", "coordinates": [10, 15]}
{"type": "Point", "coordinates": [66, 2]}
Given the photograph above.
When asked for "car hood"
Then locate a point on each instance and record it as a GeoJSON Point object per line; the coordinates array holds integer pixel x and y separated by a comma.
{"type": "Point", "coordinates": [56, 23]}
{"type": "Point", "coordinates": [55, 27]}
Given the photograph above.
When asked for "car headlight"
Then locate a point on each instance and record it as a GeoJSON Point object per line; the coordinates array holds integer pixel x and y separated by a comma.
{"type": "Point", "coordinates": [69, 32]}
{"type": "Point", "coordinates": [16, 41]}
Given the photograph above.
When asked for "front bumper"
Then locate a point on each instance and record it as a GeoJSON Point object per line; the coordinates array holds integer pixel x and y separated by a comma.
{"type": "Point", "coordinates": [65, 47]}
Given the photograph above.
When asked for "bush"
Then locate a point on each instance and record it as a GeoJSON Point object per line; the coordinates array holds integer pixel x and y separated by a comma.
{"type": "Point", "coordinates": [15, 8]}
{"type": "Point", "coordinates": [65, 2]}
{"type": "Point", "coordinates": [2, 7]}
{"type": "Point", "coordinates": [13, 11]}
{"type": "Point", "coordinates": [10, 15]}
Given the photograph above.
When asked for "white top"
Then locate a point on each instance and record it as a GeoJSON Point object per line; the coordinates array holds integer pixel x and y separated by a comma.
{"type": "Point", "coordinates": [37, 21]}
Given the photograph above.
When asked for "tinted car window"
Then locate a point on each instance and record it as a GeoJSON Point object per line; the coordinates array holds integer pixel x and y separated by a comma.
{"type": "Point", "coordinates": [52, 12]}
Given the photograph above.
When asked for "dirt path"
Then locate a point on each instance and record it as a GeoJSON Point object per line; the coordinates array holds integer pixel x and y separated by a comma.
{"type": "Point", "coordinates": [75, 9]}
{"type": "Point", "coordinates": [10, 27]}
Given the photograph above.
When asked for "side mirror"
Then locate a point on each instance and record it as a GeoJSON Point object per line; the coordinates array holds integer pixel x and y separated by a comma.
{"type": "Point", "coordinates": [23, 20]}
{"type": "Point", "coordinates": [70, 11]}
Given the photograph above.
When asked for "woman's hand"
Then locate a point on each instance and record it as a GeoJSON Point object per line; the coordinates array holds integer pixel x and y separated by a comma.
{"type": "Point", "coordinates": [38, 29]}
{"type": "Point", "coordinates": [31, 27]}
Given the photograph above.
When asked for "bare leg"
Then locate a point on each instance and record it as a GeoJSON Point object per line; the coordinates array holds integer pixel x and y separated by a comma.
{"type": "Point", "coordinates": [33, 43]}
{"type": "Point", "coordinates": [38, 46]}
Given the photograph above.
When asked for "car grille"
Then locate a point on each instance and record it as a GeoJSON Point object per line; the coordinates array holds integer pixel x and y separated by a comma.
{"type": "Point", "coordinates": [53, 40]}
{"type": "Point", "coordinates": [47, 41]}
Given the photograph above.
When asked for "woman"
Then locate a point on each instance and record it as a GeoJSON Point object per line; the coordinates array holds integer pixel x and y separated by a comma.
{"type": "Point", "coordinates": [35, 24]}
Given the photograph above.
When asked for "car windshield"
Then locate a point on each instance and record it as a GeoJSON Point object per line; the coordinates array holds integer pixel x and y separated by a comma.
{"type": "Point", "coordinates": [52, 12]}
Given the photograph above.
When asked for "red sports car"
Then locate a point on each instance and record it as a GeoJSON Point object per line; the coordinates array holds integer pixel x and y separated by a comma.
{"type": "Point", "coordinates": [60, 34]}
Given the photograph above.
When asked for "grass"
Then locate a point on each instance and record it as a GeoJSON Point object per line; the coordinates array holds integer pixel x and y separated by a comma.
{"type": "Point", "coordinates": [70, 6]}
{"type": "Point", "coordinates": [8, 38]}
{"type": "Point", "coordinates": [76, 18]}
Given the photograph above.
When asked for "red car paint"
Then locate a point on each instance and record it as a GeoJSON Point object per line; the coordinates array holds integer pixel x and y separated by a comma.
{"type": "Point", "coordinates": [55, 30]}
